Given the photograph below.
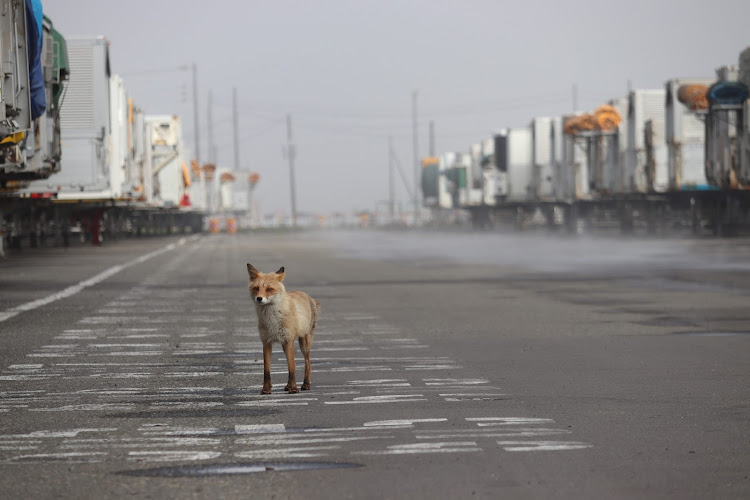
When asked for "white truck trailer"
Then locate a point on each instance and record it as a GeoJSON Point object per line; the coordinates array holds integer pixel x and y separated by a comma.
{"type": "Point", "coordinates": [646, 166]}
{"type": "Point", "coordinates": [686, 135]}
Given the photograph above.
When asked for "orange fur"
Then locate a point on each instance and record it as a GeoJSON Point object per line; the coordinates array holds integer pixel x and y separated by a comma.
{"type": "Point", "coordinates": [283, 317]}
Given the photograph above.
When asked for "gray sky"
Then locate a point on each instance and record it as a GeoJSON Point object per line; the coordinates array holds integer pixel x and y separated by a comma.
{"type": "Point", "coordinates": [346, 70]}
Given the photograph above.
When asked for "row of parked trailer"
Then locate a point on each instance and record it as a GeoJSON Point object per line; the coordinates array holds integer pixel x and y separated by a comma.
{"type": "Point", "coordinates": [78, 157]}
{"type": "Point", "coordinates": [676, 157]}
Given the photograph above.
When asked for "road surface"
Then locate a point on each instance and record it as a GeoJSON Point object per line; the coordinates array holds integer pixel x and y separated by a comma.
{"type": "Point", "coordinates": [444, 366]}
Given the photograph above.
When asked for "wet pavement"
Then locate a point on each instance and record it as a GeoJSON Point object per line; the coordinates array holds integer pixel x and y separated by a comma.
{"type": "Point", "coordinates": [444, 365]}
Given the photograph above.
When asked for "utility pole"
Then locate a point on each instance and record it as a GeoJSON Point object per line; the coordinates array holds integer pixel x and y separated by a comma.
{"type": "Point", "coordinates": [415, 147]}
{"type": "Point", "coordinates": [196, 129]}
{"type": "Point", "coordinates": [391, 181]}
{"type": "Point", "coordinates": [432, 138]}
{"type": "Point", "coordinates": [235, 121]}
{"type": "Point", "coordinates": [210, 119]}
{"type": "Point", "coordinates": [290, 153]}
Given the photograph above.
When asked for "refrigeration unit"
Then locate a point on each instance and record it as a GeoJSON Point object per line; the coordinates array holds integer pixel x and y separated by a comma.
{"type": "Point", "coordinates": [646, 157]}
{"type": "Point", "coordinates": [513, 151]}
{"type": "Point", "coordinates": [686, 106]}
{"type": "Point", "coordinates": [86, 117]}
{"type": "Point", "coordinates": [546, 154]}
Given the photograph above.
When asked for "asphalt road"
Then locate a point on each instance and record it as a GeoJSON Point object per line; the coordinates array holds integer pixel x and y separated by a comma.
{"type": "Point", "coordinates": [444, 366]}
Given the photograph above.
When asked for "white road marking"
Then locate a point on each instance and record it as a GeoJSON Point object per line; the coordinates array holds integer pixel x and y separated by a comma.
{"type": "Point", "coordinates": [543, 445]}
{"type": "Point", "coordinates": [283, 439]}
{"type": "Point", "coordinates": [74, 289]}
{"type": "Point", "coordinates": [455, 381]}
{"type": "Point", "coordinates": [277, 402]}
{"type": "Point", "coordinates": [493, 421]}
{"type": "Point", "coordinates": [259, 428]}
{"type": "Point", "coordinates": [383, 382]}
{"type": "Point", "coordinates": [441, 447]}
{"type": "Point", "coordinates": [525, 432]}
{"type": "Point", "coordinates": [472, 396]}
{"type": "Point", "coordinates": [72, 457]}
{"type": "Point", "coordinates": [388, 398]}
{"type": "Point", "coordinates": [55, 434]}
{"type": "Point", "coordinates": [89, 407]}
{"type": "Point", "coordinates": [403, 422]}
{"type": "Point", "coordinates": [171, 455]}
{"type": "Point", "coordinates": [306, 452]}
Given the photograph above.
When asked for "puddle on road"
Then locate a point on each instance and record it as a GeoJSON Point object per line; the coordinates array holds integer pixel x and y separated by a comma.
{"type": "Point", "coordinates": [236, 469]}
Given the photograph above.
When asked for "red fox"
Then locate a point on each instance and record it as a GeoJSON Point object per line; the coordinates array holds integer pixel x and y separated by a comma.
{"type": "Point", "coordinates": [282, 317]}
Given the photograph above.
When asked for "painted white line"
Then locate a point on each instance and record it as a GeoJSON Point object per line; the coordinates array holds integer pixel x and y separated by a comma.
{"type": "Point", "coordinates": [275, 403]}
{"type": "Point", "coordinates": [443, 447]}
{"type": "Point", "coordinates": [403, 422]}
{"type": "Point", "coordinates": [74, 289]}
{"type": "Point", "coordinates": [543, 445]}
{"type": "Point", "coordinates": [510, 433]}
{"type": "Point", "coordinates": [306, 452]}
{"type": "Point", "coordinates": [171, 456]}
{"type": "Point", "coordinates": [493, 421]}
{"type": "Point", "coordinates": [55, 434]}
{"type": "Point", "coordinates": [383, 382]}
{"type": "Point", "coordinates": [88, 457]}
{"type": "Point", "coordinates": [427, 366]}
{"type": "Point", "coordinates": [455, 381]}
{"type": "Point", "coordinates": [286, 439]}
{"type": "Point", "coordinates": [188, 405]}
{"type": "Point", "coordinates": [259, 428]}
{"type": "Point", "coordinates": [89, 407]}
{"type": "Point", "coordinates": [390, 398]}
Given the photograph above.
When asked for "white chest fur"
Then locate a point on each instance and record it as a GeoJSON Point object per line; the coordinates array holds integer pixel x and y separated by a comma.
{"type": "Point", "coordinates": [270, 324]}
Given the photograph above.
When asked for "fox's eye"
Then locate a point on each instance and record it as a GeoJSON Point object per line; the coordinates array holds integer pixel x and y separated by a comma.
{"type": "Point", "coordinates": [255, 289]}
{"type": "Point", "coordinates": [269, 290]}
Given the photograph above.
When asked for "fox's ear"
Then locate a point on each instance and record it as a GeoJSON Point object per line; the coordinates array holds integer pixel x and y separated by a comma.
{"type": "Point", "coordinates": [252, 272]}
{"type": "Point", "coordinates": [280, 274]}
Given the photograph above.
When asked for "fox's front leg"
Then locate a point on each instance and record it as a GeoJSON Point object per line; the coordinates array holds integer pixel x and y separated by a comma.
{"type": "Point", "coordinates": [266, 369]}
{"type": "Point", "coordinates": [291, 385]}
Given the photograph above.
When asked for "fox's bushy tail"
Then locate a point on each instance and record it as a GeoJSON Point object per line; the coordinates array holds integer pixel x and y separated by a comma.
{"type": "Point", "coordinates": [315, 310]}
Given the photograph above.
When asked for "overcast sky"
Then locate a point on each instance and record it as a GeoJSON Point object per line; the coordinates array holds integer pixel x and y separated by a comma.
{"type": "Point", "coordinates": [346, 70]}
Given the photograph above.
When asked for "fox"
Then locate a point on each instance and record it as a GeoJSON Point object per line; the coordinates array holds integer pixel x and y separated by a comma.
{"type": "Point", "coordinates": [283, 316]}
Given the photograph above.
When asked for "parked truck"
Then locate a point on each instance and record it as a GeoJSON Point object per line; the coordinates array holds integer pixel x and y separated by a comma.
{"type": "Point", "coordinates": [35, 68]}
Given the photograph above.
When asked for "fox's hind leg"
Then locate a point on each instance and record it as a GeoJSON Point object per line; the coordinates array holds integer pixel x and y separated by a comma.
{"type": "Point", "coordinates": [304, 346]}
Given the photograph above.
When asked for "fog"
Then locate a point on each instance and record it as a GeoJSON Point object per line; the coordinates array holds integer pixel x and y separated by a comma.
{"type": "Point", "coordinates": [542, 253]}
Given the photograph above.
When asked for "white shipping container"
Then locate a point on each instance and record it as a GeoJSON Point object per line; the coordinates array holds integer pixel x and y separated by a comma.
{"type": "Point", "coordinates": [518, 161]}
{"type": "Point", "coordinates": [546, 153]}
{"type": "Point", "coordinates": [685, 134]}
{"type": "Point", "coordinates": [491, 188]}
{"type": "Point", "coordinates": [645, 105]}
{"type": "Point", "coordinates": [445, 197]}
{"type": "Point", "coordinates": [474, 177]}
{"type": "Point", "coordinates": [462, 163]}
{"type": "Point", "coordinates": [118, 137]}
{"type": "Point", "coordinates": [85, 126]}
{"type": "Point", "coordinates": [572, 176]}
{"type": "Point", "coordinates": [618, 175]}
{"type": "Point", "coordinates": [167, 174]}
